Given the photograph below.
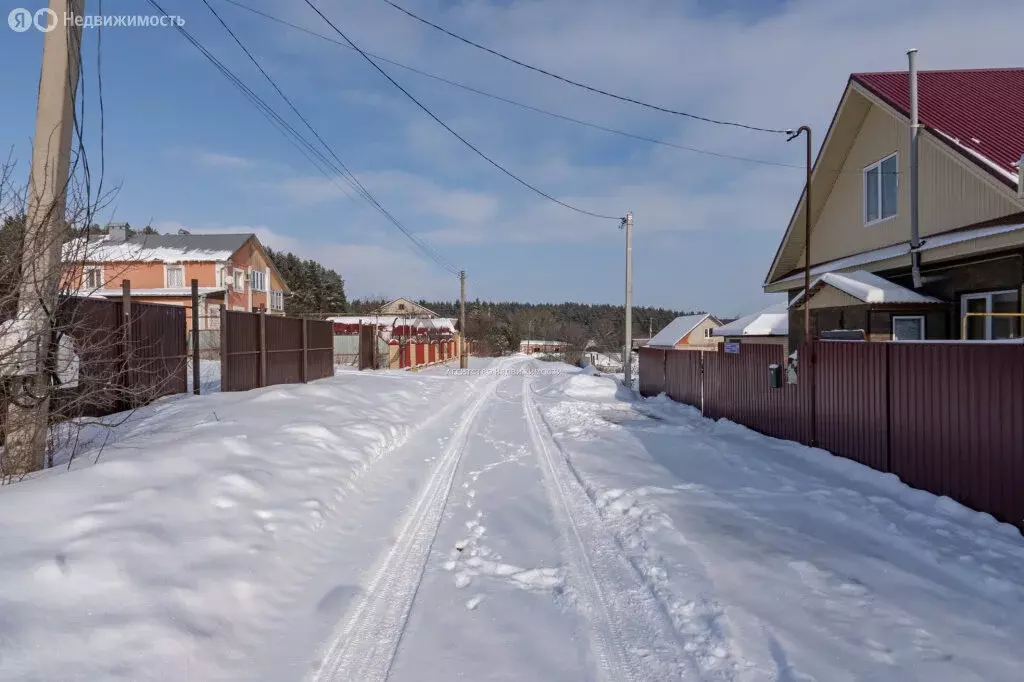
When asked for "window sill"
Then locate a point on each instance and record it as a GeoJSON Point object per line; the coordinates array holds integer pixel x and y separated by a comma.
{"type": "Point", "coordinates": [881, 220]}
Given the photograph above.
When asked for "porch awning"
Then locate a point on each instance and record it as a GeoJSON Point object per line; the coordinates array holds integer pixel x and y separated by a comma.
{"type": "Point", "coordinates": [833, 290]}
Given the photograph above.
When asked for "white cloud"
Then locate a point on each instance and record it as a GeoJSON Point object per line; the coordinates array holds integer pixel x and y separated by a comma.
{"type": "Point", "coordinates": [217, 160]}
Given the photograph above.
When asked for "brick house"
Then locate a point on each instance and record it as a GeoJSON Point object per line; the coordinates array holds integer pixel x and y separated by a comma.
{"type": "Point", "coordinates": [970, 211]}
{"type": "Point", "coordinates": [233, 270]}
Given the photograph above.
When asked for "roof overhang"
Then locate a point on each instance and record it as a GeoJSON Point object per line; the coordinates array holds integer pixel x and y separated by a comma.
{"type": "Point", "coordinates": [835, 290]}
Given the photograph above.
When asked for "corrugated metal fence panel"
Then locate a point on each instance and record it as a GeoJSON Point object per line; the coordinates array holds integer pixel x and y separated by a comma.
{"type": "Point", "coordinates": [736, 387]}
{"type": "Point", "coordinates": [683, 376]}
{"type": "Point", "coordinates": [957, 426]}
{"type": "Point", "coordinates": [320, 350]}
{"type": "Point", "coordinates": [852, 405]}
{"type": "Point", "coordinates": [240, 364]}
{"type": "Point", "coordinates": [652, 371]}
{"type": "Point", "coordinates": [158, 363]}
{"type": "Point", "coordinates": [284, 350]}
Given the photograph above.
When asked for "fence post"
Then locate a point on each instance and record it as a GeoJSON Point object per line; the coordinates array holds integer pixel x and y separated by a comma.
{"type": "Point", "coordinates": [126, 342]}
{"type": "Point", "coordinates": [888, 411]}
{"type": "Point", "coordinates": [195, 337]}
{"type": "Point", "coordinates": [701, 383]}
{"type": "Point", "coordinates": [263, 350]}
{"type": "Point", "coordinates": [305, 350]}
{"type": "Point", "coordinates": [224, 383]}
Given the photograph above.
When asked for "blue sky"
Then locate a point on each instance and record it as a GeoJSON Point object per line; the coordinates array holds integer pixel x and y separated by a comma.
{"type": "Point", "coordinates": [188, 151]}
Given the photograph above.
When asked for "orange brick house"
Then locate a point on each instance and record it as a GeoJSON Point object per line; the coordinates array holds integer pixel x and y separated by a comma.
{"type": "Point", "coordinates": [232, 269]}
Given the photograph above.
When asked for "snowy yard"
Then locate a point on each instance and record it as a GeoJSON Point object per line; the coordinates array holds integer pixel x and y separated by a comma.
{"type": "Point", "coordinates": [514, 524]}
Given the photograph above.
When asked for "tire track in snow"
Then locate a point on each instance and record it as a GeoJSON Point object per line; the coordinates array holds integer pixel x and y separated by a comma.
{"type": "Point", "coordinates": [631, 636]}
{"type": "Point", "coordinates": [364, 647]}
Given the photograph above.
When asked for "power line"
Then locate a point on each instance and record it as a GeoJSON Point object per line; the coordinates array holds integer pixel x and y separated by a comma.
{"type": "Point", "coordinates": [444, 125]}
{"type": "Point", "coordinates": [577, 84]}
{"type": "Point", "coordinates": [500, 98]}
{"type": "Point", "coordinates": [348, 175]}
{"type": "Point", "coordinates": [312, 154]}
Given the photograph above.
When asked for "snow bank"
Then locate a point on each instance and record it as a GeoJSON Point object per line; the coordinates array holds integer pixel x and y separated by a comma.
{"type": "Point", "coordinates": [163, 559]}
{"type": "Point", "coordinates": [777, 561]}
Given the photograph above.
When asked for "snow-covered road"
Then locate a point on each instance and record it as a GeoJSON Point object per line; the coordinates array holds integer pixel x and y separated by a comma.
{"type": "Point", "coordinates": [516, 524]}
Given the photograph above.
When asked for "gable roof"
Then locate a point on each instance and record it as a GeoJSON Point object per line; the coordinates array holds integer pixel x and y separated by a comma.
{"type": "Point", "coordinates": [980, 112]}
{"type": "Point", "coordinates": [867, 288]}
{"type": "Point", "coordinates": [772, 321]}
{"type": "Point", "coordinates": [167, 248]}
{"type": "Point", "coordinates": [948, 109]}
{"type": "Point", "coordinates": [677, 329]}
{"type": "Point", "coordinates": [411, 304]}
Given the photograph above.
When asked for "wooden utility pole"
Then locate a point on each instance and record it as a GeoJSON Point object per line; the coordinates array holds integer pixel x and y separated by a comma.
{"type": "Point", "coordinates": [463, 350]}
{"type": "Point", "coordinates": [28, 413]}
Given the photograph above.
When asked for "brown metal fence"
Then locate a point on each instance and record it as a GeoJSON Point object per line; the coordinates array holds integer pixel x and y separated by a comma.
{"type": "Point", "coordinates": [120, 366]}
{"type": "Point", "coordinates": [946, 418]}
{"type": "Point", "coordinates": [263, 350]}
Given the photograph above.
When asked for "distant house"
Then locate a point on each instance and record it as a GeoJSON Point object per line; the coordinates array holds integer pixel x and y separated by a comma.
{"type": "Point", "coordinates": [971, 212]}
{"type": "Point", "coordinates": [233, 270]}
{"type": "Point", "coordinates": [688, 332]}
{"type": "Point", "coordinates": [403, 307]}
{"type": "Point", "coordinates": [531, 346]}
{"type": "Point", "coordinates": [768, 326]}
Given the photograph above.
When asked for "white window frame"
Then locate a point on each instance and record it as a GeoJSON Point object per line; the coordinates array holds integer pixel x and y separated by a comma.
{"type": "Point", "coordinates": [89, 269]}
{"type": "Point", "coordinates": [864, 190]}
{"type": "Point", "coordinates": [221, 272]}
{"type": "Point", "coordinates": [167, 274]}
{"type": "Point", "coordinates": [276, 299]}
{"type": "Point", "coordinates": [908, 317]}
{"type": "Point", "coordinates": [238, 279]}
{"type": "Point", "coordinates": [259, 280]}
{"type": "Point", "coordinates": [987, 297]}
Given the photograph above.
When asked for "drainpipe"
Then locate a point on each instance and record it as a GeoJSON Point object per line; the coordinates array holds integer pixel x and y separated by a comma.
{"type": "Point", "coordinates": [915, 128]}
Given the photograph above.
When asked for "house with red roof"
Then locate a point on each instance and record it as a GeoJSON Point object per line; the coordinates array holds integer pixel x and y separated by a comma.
{"type": "Point", "coordinates": [970, 212]}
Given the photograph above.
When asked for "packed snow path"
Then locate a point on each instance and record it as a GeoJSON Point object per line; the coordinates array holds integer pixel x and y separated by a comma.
{"type": "Point", "coordinates": [516, 524]}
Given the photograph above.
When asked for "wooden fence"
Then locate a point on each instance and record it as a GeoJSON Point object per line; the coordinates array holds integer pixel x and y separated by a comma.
{"type": "Point", "coordinates": [123, 361]}
{"type": "Point", "coordinates": [946, 418]}
{"type": "Point", "coordinates": [259, 350]}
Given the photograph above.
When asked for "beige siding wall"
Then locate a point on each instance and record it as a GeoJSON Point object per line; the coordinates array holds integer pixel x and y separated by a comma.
{"type": "Point", "coordinates": [697, 338]}
{"type": "Point", "coordinates": [830, 297]}
{"type": "Point", "coordinates": [953, 193]}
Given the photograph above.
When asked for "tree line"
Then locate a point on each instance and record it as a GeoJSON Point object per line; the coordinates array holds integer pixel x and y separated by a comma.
{"type": "Point", "coordinates": [500, 326]}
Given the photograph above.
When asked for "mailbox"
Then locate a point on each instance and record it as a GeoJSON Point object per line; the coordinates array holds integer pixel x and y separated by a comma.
{"type": "Point", "coordinates": [775, 376]}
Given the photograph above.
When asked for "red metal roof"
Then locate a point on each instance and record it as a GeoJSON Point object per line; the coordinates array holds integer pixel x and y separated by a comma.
{"type": "Point", "coordinates": [982, 109]}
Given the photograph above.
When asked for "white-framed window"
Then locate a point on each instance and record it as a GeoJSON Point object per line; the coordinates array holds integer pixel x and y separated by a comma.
{"type": "Point", "coordinates": [707, 332]}
{"type": "Point", "coordinates": [983, 325]}
{"type": "Point", "coordinates": [258, 280]}
{"type": "Point", "coordinates": [908, 327]}
{"type": "Point", "coordinates": [239, 279]}
{"type": "Point", "coordinates": [92, 277]}
{"type": "Point", "coordinates": [221, 274]}
{"type": "Point", "coordinates": [174, 277]}
{"type": "Point", "coordinates": [276, 300]}
{"type": "Point", "coordinates": [881, 189]}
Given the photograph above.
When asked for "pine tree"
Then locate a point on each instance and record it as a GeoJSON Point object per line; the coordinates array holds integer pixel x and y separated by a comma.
{"type": "Point", "coordinates": [316, 291]}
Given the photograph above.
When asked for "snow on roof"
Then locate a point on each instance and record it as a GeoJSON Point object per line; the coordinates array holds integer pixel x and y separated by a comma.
{"type": "Point", "coordinates": [903, 249]}
{"type": "Point", "coordinates": [676, 330]}
{"type": "Point", "coordinates": [166, 248]}
{"type": "Point", "coordinates": [772, 321]}
{"type": "Point", "coordinates": [867, 287]}
{"type": "Point", "coordinates": [536, 342]}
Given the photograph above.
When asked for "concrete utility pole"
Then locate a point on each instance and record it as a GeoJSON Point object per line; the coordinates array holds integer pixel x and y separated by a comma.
{"type": "Point", "coordinates": [28, 413]}
{"type": "Point", "coordinates": [627, 358]}
{"type": "Point", "coordinates": [463, 350]}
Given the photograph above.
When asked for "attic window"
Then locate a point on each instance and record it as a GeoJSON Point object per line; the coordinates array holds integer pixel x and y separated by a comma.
{"type": "Point", "coordinates": [401, 306]}
{"type": "Point", "coordinates": [881, 181]}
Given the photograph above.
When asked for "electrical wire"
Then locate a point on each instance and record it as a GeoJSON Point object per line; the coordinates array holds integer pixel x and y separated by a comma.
{"type": "Point", "coordinates": [350, 177]}
{"type": "Point", "coordinates": [444, 125]}
{"type": "Point", "coordinates": [500, 98]}
{"type": "Point", "coordinates": [307, 149]}
{"type": "Point", "coordinates": [578, 84]}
